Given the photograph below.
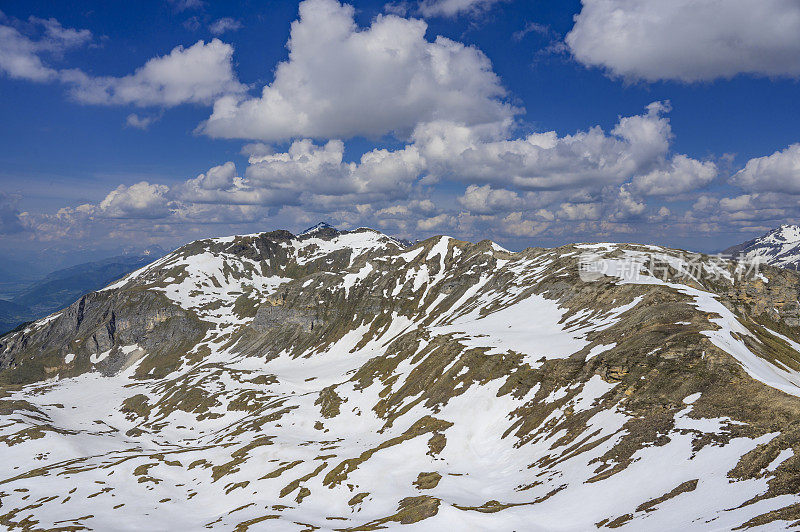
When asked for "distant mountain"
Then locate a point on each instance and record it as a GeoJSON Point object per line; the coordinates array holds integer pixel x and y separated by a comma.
{"type": "Point", "coordinates": [19, 268]}
{"type": "Point", "coordinates": [779, 247]}
{"type": "Point", "coordinates": [63, 287]}
{"type": "Point", "coordinates": [12, 314]}
{"type": "Point", "coordinates": [342, 381]}
{"type": "Point", "coordinates": [16, 275]}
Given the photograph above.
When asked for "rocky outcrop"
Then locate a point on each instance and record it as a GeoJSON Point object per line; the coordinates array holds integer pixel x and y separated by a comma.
{"type": "Point", "coordinates": [100, 322]}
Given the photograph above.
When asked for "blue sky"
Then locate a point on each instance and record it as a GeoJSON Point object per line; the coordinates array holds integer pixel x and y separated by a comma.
{"type": "Point", "coordinates": [530, 123]}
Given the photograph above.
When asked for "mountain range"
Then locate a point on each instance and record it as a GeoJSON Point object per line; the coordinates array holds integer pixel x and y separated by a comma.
{"type": "Point", "coordinates": [340, 380]}
{"type": "Point", "coordinates": [58, 289]}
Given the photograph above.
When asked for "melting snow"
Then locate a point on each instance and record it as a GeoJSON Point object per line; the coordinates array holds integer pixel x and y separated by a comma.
{"type": "Point", "coordinates": [531, 327]}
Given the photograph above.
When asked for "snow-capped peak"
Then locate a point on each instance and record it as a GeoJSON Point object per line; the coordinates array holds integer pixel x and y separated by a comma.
{"type": "Point", "coordinates": [779, 247]}
{"type": "Point", "coordinates": [319, 227]}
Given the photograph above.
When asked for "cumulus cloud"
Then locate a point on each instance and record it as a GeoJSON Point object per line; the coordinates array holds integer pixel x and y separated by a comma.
{"type": "Point", "coordinates": [141, 200]}
{"type": "Point", "coordinates": [221, 185]}
{"type": "Point", "coordinates": [590, 177]}
{"type": "Point", "coordinates": [515, 224]}
{"type": "Point", "coordinates": [418, 206]}
{"type": "Point", "coordinates": [486, 200]}
{"type": "Point", "coordinates": [624, 205]}
{"type": "Point", "coordinates": [21, 55]}
{"type": "Point", "coordinates": [218, 177]}
{"type": "Point", "coordinates": [310, 174]}
{"type": "Point", "coordinates": [434, 222]}
{"type": "Point", "coordinates": [681, 174]}
{"type": "Point", "coordinates": [197, 74]}
{"type": "Point", "coordinates": [779, 172]}
{"type": "Point", "coordinates": [451, 8]}
{"type": "Point", "coordinates": [743, 212]}
{"type": "Point", "coordinates": [688, 40]}
{"type": "Point", "coordinates": [319, 174]}
{"type": "Point", "coordinates": [257, 149]}
{"type": "Point", "coordinates": [342, 81]}
{"type": "Point", "coordinates": [637, 145]}
{"type": "Point", "coordinates": [580, 211]}
{"type": "Point", "coordinates": [222, 25]}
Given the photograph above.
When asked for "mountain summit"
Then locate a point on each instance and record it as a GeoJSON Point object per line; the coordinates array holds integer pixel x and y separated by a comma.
{"type": "Point", "coordinates": [344, 381]}
{"type": "Point", "coordinates": [322, 226]}
{"type": "Point", "coordinates": [779, 247]}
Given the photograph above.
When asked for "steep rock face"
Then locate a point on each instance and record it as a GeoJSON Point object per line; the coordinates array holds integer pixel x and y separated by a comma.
{"type": "Point", "coordinates": [93, 332]}
{"type": "Point", "coordinates": [346, 381]}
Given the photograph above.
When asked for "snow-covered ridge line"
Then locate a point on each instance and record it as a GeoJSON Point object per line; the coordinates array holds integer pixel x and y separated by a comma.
{"type": "Point", "coordinates": [632, 269]}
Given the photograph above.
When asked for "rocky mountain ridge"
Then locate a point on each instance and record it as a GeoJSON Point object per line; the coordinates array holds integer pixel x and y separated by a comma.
{"type": "Point", "coordinates": [345, 381]}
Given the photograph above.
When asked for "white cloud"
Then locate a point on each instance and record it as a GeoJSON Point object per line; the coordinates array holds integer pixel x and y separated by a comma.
{"type": "Point", "coordinates": [585, 178]}
{"type": "Point", "coordinates": [738, 203]}
{"type": "Point", "coordinates": [141, 122]}
{"type": "Point", "coordinates": [688, 40]}
{"type": "Point", "coordinates": [218, 177]}
{"type": "Point", "coordinates": [532, 27]}
{"type": "Point", "coordinates": [423, 206]}
{"type": "Point", "coordinates": [681, 174]}
{"type": "Point", "coordinates": [320, 173]}
{"type": "Point", "coordinates": [192, 23]}
{"type": "Point", "coordinates": [637, 145]}
{"type": "Point", "coordinates": [624, 205]}
{"type": "Point", "coordinates": [486, 200]}
{"type": "Point", "coordinates": [580, 211]}
{"type": "Point", "coordinates": [705, 203]}
{"type": "Point", "coordinates": [20, 55]}
{"type": "Point", "coordinates": [515, 224]}
{"type": "Point", "coordinates": [779, 172]}
{"type": "Point", "coordinates": [451, 8]}
{"type": "Point", "coordinates": [394, 210]}
{"type": "Point", "coordinates": [341, 81]}
{"type": "Point", "coordinates": [741, 211]}
{"type": "Point", "coordinates": [220, 26]}
{"type": "Point", "coordinates": [434, 222]}
{"type": "Point", "coordinates": [221, 185]}
{"type": "Point", "coordinates": [197, 74]}
{"type": "Point", "coordinates": [141, 200]}
{"type": "Point", "coordinates": [57, 37]}
{"type": "Point", "coordinates": [310, 174]}
{"type": "Point", "coordinates": [663, 214]}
